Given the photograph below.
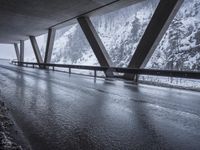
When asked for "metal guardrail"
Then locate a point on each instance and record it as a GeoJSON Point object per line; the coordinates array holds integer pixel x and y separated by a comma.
{"type": "Point", "coordinates": [153, 72]}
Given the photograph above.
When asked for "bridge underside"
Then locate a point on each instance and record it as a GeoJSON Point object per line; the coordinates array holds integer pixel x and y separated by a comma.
{"type": "Point", "coordinates": [24, 18]}
{"type": "Point", "coordinates": [59, 111]}
{"type": "Point", "coordinates": [21, 20]}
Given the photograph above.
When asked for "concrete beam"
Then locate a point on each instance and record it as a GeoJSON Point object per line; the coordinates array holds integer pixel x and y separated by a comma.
{"type": "Point", "coordinates": [36, 49]}
{"type": "Point", "coordinates": [163, 15]}
{"type": "Point", "coordinates": [95, 43]}
{"type": "Point", "coordinates": [49, 46]}
{"type": "Point", "coordinates": [17, 51]}
{"type": "Point", "coordinates": [21, 58]}
{"type": "Point", "coordinates": [20, 18]}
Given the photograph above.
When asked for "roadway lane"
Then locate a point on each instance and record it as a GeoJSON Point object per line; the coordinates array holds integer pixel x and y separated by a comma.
{"type": "Point", "coordinates": [57, 111]}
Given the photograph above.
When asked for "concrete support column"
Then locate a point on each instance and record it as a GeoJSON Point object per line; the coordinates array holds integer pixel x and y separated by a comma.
{"type": "Point", "coordinates": [21, 58]}
{"type": "Point", "coordinates": [17, 51]}
{"type": "Point", "coordinates": [95, 43]}
{"type": "Point", "coordinates": [36, 50]}
{"type": "Point", "coordinates": [163, 15]}
{"type": "Point", "coordinates": [49, 46]}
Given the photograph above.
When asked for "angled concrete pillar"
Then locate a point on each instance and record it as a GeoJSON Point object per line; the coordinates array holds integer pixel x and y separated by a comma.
{"type": "Point", "coordinates": [36, 49]}
{"type": "Point", "coordinates": [17, 51]}
{"type": "Point", "coordinates": [49, 46]}
{"type": "Point", "coordinates": [21, 54]}
{"type": "Point", "coordinates": [95, 43]}
{"type": "Point", "coordinates": [163, 15]}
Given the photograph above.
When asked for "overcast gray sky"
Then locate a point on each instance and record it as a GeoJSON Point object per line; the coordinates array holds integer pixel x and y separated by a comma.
{"type": "Point", "coordinates": [7, 51]}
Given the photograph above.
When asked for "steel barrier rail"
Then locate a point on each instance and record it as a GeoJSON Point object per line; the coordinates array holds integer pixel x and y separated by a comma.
{"type": "Point", "coordinates": [153, 72]}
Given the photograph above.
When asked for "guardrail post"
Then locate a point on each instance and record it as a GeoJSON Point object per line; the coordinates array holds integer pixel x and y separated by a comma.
{"type": "Point", "coordinates": [136, 78]}
{"type": "Point", "coordinates": [95, 73]}
{"type": "Point", "coordinates": [69, 70]}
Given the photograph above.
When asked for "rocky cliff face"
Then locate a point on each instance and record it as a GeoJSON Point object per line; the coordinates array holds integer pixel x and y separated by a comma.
{"type": "Point", "coordinates": [120, 31]}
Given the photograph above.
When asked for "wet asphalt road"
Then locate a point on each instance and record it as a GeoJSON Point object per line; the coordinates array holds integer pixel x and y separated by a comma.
{"type": "Point", "coordinates": [61, 112]}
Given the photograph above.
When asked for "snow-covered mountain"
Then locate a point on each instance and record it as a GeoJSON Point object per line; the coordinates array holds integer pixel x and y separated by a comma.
{"type": "Point", "coordinates": [121, 31]}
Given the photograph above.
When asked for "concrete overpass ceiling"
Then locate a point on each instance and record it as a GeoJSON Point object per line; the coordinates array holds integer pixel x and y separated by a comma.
{"type": "Point", "coordinates": [20, 19]}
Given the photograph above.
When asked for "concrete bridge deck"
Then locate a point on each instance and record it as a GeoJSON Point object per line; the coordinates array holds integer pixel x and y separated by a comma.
{"type": "Point", "coordinates": [58, 111]}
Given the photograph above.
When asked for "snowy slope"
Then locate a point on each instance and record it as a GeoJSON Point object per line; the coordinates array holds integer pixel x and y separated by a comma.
{"type": "Point", "coordinates": [121, 31]}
